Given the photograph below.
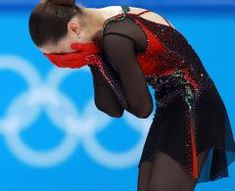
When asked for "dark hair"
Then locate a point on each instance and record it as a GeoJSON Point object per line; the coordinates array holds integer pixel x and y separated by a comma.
{"type": "Point", "coordinates": [48, 21]}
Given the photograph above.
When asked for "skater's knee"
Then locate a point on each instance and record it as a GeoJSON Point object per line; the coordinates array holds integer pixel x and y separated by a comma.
{"type": "Point", "coordinates": [168, 175]}
{"type": "Point", "coordinates": [162, 187]}
{"type": "Point", "coordinates": [168, 187]}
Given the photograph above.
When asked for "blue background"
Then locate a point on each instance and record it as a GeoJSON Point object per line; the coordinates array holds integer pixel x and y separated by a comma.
{"type": "Point", "coordinates": [27, 161]}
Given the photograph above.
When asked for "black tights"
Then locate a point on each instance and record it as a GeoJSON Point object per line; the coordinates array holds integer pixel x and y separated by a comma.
{"type": "Point", "coordinates": [164, 174]}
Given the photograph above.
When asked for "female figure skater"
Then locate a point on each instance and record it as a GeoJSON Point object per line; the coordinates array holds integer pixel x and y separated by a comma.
{"type": "Point", "coordinates": [190, 139]}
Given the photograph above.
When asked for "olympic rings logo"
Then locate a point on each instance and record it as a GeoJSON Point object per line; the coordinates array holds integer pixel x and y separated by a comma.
{"type": "Point", "coordinates": [79, 127]}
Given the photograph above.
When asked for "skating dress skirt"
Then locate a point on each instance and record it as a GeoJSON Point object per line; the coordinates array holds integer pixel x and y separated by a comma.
{"type": "Point", "coordinates": [190, 115]}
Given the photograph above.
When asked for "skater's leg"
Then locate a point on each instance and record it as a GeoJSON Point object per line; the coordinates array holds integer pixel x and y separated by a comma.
{"type": "Point", "coordinates": [168, 175]}
{"type": "Point", "coordinates": [144, 175]}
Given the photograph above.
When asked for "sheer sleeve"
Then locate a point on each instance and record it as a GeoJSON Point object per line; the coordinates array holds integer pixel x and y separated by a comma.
{"type": "Point", "coordinates": [120, 48]}
{"type": "Point", "coordinates": [104, 97]}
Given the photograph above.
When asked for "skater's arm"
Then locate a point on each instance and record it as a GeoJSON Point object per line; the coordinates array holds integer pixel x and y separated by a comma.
{"type": "Point", "coordinates": [104, 97]}
{"type": "Point", "coordinates": [120, 52]}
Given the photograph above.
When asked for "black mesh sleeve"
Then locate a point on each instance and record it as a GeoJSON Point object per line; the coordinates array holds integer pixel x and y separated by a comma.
{"type": "Point", "coordinates": [104, 97]}
{"type": "Point", "coordinates": [120, 50]}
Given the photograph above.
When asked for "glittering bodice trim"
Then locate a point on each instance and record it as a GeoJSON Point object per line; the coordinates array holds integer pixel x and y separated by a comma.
{"type": "Point", "coordinates": [168, 61]}
{"type": "Point", "coordinates": [170, 65]}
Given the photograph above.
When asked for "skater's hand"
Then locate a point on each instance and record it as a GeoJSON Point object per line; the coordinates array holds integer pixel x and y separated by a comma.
{"type": "Point", "coordinates": [89, 48]}
{"type": "Point", "coordinates": [86, 53]}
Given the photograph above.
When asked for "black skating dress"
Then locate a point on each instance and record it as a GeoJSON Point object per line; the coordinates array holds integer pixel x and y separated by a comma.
{"type": "Point", "coordinates": [190, 115]}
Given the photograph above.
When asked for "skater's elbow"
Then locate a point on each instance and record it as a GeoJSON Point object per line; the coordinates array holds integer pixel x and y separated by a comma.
{"type": "Point", "coordinates": [111, 111]}
{"type": "Point", "coordinates": [142, 111]}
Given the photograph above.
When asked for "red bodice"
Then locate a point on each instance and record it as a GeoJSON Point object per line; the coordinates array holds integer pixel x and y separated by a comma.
{"type": "Point", "coordinates": [148, 60]}
{"type": "Point", "coordinates": [160, 60]}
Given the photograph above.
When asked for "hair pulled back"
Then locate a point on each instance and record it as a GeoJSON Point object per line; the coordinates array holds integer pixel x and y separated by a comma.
{"type": "Point", "coordinates": [48, 20]}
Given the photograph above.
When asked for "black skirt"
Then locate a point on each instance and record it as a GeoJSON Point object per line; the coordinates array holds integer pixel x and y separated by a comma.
{"type": "Point", "coordinates": [169, 133]}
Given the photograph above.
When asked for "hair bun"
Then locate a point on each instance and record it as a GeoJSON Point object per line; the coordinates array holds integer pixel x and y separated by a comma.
{"type": "Point", "coordinates": [62, 2]}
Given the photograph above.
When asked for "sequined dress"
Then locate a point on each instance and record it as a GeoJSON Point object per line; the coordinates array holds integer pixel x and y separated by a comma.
{"type": "Point", "coordinates": [190, 115]}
